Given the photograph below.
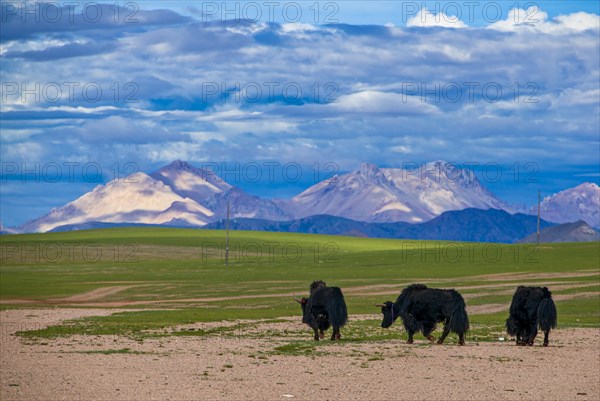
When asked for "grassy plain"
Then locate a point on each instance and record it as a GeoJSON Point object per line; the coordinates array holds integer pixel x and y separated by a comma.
{"type": "Point", "coordinates": [173, 277]}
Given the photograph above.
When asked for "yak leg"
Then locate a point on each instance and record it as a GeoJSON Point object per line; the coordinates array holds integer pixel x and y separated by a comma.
{"type": "Point", "coordinates": [522, 335]}
{"type": "Point", "coordinates": [321, 334]}
{"type": "Point", "coordinates": [428, 327]}
{"type": "Point", "coordinates": [316, 334]}
{"type": "Point", "coordinates": [546, 337]}
{"type": "Point", "coordinates": [445, 333]}
{"type": "Point", "coordinates": [336, 334]}
{"type": "Point", "coordinates": [532, 334]}
{"type": "Point", "coordinates": [461, 339]}
{"type": "Point", "coordinates": [410, 337]}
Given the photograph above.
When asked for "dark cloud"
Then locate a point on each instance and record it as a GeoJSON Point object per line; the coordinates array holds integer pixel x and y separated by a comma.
{"type": "Point", "coordinates": [59, 114]}
{"type": "Point", "coordinates": [123, 130]}
{"type": "Point", "coordinates": [60, 52]}
{"type": "Point", "coordinates": [25, 20]}
{"type": "Point", "coordinates": [191, 38]}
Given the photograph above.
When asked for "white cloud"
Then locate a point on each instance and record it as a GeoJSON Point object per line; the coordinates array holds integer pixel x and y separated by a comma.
{"type": "Point", "coordinates": [168, 152]}
{"type": "Point", "coordinates": [18, 135]}
{"type": "Point", "coordinates": [579, 21]}
{"type": "Point", "coordinates": [255, 127]}
{"type": "Point", "coordinates": [17, 152]}
{"type": "Point", "coordinates": [405, 150]}
{"type": "Point", "coordinates": [577, 97]}
{"type": "Point", "coordinates": [426, 18]}
{"type": "Point", "coordinates": [118, 129]}
{"type": "Point", "coordinates": [297, 27]}
{"type": "Point", "coordinates": [452, 52]}
{"type": "Point", "coordinates": [533, 19]}
{"type": "Point", "coordinates": [81, 109]}
{"type": "Point", "coordinates": [377, 102]}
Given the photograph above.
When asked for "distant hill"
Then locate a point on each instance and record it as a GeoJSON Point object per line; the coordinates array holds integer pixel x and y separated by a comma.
{"type": "Point", "coordinates": [319, 224]}
{"type": "Point", "coordinates": [490, 225]}
{"type": "Point", "coordinates": [93, 225]}
{"type": "Point", "coordinates": [478, 225]}
{"type": "Point", "coordinates": [579, 231]}
{"type": "Point", "coordinates": [6, 230]}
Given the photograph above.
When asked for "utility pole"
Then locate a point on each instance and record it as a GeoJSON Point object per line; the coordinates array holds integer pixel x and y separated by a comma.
{"type": "Point", "coordinates": [538, 217]}
{"type": "Point", "coordinates": [227, 238]}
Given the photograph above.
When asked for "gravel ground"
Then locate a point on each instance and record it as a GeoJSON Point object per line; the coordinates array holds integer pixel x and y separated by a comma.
{"type": "Point", "coordinates": [221, 368]}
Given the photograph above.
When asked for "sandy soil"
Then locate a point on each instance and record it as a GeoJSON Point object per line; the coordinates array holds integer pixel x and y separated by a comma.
{"type": "Point", "coordinates": [98, 293]}
{"type": "Point", "coordinates": [95, 298]}
{"type": "Point", "coordinates": [243, 367]}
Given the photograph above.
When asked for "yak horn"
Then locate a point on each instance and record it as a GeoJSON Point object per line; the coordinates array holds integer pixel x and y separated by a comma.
{"type": "Point", "coordinates": [380, 306]}
{"type": "Point", "coordinates": [298, 300]}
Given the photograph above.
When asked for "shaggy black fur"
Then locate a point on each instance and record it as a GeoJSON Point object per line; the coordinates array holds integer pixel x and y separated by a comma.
{"type": "Point", "coordinates": [532, 308]}
{"type": "Point", "coordinates": [421, 308]}
{"type": "Point", "coordinates": [324, 307]}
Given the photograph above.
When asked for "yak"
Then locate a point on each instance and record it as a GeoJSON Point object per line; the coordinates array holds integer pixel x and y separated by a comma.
{"type": "Point", "coordinates": [324, 308]}
{"type": "Point", "coordinates": [421, 308]}
{"type": "Point", "coordinates": [532, 308]}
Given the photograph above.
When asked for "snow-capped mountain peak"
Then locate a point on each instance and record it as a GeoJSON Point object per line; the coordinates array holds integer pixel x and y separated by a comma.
{"type": "Point", "coordinates": [388, 194]}
{"type": "Point", "coordinates": [191, 182]}
{"type": "Point", "coordinates": [208, 189]}
{"type": "Point", "coordinates": [136, 199]}
{"type": "Point", "coordinates": [368, 170]}
{"type": "Point", "coordinates": [578, 203]}
{"type": "Point", "coordinates": [443, 171]}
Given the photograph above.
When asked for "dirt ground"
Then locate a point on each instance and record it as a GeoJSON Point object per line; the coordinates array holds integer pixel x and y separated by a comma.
{"type": "Point", "coordinates": [242, 367]}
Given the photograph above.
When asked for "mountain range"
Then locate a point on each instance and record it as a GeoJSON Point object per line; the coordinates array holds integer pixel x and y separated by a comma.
{"type": "Point", "coordinates": [369, 201]}
{"type": "Point", "coordinates": [469, 224]}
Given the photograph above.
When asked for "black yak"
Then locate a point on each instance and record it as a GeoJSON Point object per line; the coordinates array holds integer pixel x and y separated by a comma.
{"type": "Point", "coordinates": [324, 307]}
{"type": "Point", "coordinates": [421, 308]}
{"type": "Point", "coordinates": [532, 308]}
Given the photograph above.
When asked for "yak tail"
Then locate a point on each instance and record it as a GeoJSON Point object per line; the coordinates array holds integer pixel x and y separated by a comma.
{"type": "Point", "coordinates": [338, 314]}
{"type": "Point", "coordinates": [459, 321]}
{"type": "Point", "coordinates": [546, 312]}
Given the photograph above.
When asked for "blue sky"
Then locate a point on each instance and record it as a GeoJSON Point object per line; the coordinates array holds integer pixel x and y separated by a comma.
{"type": "Point", "coordinates": [133, 86]}
{"type": "Point", "coordinates": [476, 13]}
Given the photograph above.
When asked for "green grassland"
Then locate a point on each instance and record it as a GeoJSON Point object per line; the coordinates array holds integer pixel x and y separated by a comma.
{"type": "Point", "coordinates": [178, 276]}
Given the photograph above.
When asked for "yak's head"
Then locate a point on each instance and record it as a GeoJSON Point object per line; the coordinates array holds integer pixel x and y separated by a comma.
{"type": "Point", "coordinates": [317, 285]}
{"type": "Point", "coordinates": [302, 303]}
{"type": "Point", "coordinates": [389, 315]}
